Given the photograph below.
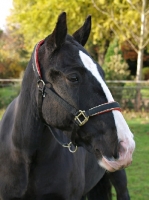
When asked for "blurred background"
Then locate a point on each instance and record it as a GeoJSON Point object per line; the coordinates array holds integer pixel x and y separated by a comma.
{"type": "Point", "coordinates": [119, 42]}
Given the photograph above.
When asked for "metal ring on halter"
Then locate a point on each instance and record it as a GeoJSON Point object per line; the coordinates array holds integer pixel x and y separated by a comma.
{"type": "Point", "coordinates": [43, 86]}
{"type": "Point", "coordinates": [69, 147]}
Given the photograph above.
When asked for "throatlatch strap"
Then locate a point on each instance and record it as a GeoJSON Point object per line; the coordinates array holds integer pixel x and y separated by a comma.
{"type": "Point", "coordinates": [56, 135]}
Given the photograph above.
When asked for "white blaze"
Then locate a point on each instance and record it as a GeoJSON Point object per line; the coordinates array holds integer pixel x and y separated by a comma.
{"type": "Point", "coordinates": [92, 67]}
{"type": "Point", "coordinates": [123, 131]}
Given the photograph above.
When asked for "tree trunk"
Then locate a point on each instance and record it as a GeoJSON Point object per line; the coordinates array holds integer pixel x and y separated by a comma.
{"type": "Point", "coordinates": [101, 57]}
{"type": "Point", "coordinates": [138, 78]}
{"type": "Point", "coordinates": [140, 57]}
{"type": "Point", "coordinates": [139, 64]}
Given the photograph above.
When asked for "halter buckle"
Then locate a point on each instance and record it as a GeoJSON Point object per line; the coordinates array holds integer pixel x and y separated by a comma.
{"type": "Point", "coordinates": [78, 118]}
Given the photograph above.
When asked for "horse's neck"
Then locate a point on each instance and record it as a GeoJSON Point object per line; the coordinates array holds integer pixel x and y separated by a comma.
{"type": "Point", "coordinates": [27, 124]}
{"type": "Point", "coordinates": [27, 98]}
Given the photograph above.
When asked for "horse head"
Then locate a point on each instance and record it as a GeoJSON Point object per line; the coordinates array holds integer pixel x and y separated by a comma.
{"type": "Point", "coordinates": [76, 99]}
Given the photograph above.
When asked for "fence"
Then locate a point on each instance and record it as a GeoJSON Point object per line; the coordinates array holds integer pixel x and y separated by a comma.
{"type": "Point", "coordinates": [130, 94]}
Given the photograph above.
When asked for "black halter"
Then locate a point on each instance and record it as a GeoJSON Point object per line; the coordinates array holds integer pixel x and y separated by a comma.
{"type": "Point", "coordinates": [80, 116]}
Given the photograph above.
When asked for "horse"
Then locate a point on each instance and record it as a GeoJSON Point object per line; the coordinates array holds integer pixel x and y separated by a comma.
{"type": "Point", "coordinates": [103, 189]}
{"type": "Point", "coordinates": [64, 129]}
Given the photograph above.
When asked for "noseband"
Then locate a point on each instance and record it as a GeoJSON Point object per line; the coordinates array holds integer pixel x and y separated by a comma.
{"type": "Point", "coordinates": [80, 116]}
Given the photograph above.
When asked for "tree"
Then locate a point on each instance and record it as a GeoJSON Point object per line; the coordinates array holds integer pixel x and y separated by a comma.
{"type": "Point", "coordinates": [36, 19]}
{"type": "Point", "coordinates": [11, 61]}
{"type": "Point", "coordinates": [135, 31]}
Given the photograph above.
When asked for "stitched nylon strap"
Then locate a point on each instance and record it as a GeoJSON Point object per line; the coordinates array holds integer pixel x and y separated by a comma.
{"type": "Point", "coordinates": [100, 109]}
{"type": "Point", "coordinates": [35, 62]}
{"type": "Point", "coordinates": [103, 108]}
{"type": "Point", "coordinates": [83, 116]}
{"type": "Point", "coordinates": [62, 102]}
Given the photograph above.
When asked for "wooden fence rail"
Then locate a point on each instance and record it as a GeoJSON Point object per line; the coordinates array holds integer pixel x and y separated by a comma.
{"type": "Point", "coordinates": [123, 91]}
{"type": "Point", "coordinates": [131, 94]}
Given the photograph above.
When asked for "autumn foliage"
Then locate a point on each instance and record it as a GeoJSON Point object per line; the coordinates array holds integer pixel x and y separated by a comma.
{"type": "Point", "coordinates": [11, 62]}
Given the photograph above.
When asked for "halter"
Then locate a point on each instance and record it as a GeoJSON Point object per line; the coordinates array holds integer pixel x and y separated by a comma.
{"type": "Point", "coordinates": [80, 116]}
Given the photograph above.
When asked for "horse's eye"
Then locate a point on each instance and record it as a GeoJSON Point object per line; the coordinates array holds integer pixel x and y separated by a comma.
{"type": "Point", "coordinates": [73, 78]}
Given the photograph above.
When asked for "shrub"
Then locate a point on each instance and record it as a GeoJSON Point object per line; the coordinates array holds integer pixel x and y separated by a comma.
{"type": "Point", "coordinates": [145, 72]}
{"type": "Point", "coordinates": [114, 66]}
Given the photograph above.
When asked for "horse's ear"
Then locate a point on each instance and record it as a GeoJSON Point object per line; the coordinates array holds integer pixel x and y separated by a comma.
{"type": "Point", "coordinates": [82, 34]}
{"type": "Point", "coordinates": [58, 36]}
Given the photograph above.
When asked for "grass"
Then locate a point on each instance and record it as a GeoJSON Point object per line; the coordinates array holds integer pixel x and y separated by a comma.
{"type": "Point", "coordinates": [7, 94]}
{"type": "Point", "coordinates": [145, 93]}
{"type": "Point", "coordinates": [1, 113]}
{"type": "Point", "coordinates": [138, 172]}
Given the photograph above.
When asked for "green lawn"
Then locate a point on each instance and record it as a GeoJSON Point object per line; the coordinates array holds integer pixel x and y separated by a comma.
{"type": "Point", "coordinates": [7, 94]}
{"type": "Point", "coordinates": [138, 172]}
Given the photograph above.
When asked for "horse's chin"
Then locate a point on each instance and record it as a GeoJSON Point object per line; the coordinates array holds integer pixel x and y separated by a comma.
{"type": "Point", "coordinates": [112, 165]}
{"type": "Point", "coordinates": [123, 161]}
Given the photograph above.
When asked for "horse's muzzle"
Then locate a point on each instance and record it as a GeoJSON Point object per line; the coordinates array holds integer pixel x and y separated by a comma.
{"type": "Point", "coordinates": [124, 160]}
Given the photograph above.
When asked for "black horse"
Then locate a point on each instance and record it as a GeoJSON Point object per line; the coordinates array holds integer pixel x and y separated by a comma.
{"type": "Point", "coordinates": [64, 106]}
{"type": "Point", "coordinates": [103, 189]}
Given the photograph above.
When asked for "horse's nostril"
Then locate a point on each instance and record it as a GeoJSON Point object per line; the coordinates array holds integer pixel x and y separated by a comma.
{"type": "Point", "coordinates": [97, 151]}
{"type": "Point", "coordinates": [116, 155]}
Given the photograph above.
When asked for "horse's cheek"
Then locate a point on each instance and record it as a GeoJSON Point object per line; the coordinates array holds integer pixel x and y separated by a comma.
{"type": "Point", "coordinates": [48, 113]}
{"type": "Point", "coordinates": [49, 107]}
